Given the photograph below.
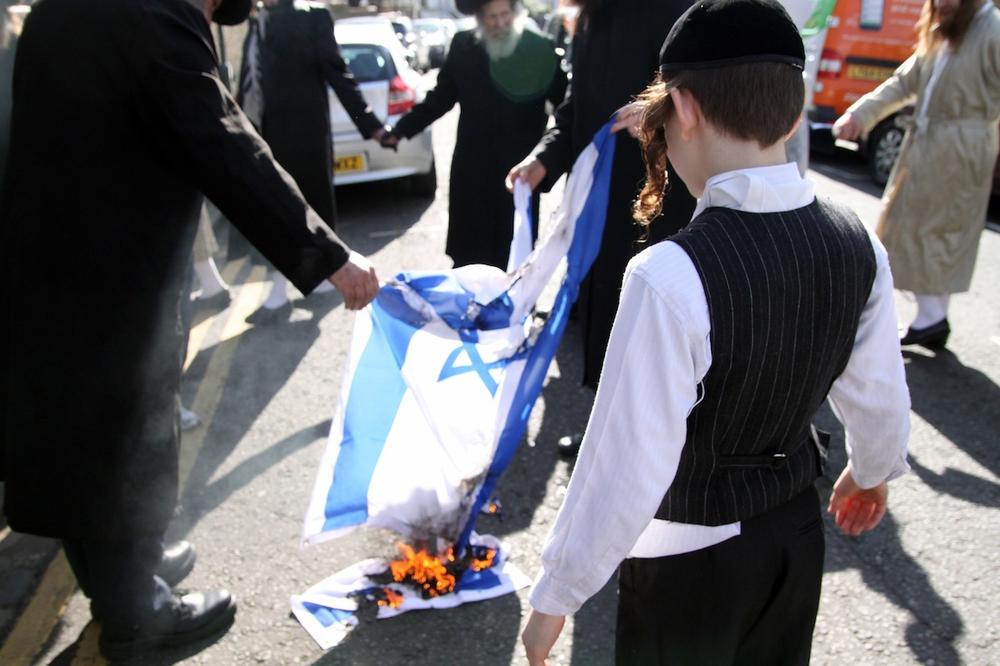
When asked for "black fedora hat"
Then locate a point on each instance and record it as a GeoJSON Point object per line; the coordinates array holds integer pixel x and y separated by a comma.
{"type": "Point", "coordinates": [232, 12]}
{"type": "Point", "coordinates": [471, 7]}
{"type": "Point", "coordinates": [721, 33]}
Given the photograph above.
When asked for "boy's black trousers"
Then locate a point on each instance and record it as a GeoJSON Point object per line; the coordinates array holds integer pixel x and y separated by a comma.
{"type": "Point", "coordinates": [749, 600]}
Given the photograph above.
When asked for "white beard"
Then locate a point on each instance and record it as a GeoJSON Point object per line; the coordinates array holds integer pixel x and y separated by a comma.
{"type": "Point", "coordinates": [498, 49]}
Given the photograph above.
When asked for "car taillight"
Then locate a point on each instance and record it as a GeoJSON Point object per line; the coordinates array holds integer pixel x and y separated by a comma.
{"type": "Point", "coordinates": [830, 64]}
{"type": "Point", "coordinates": [401, 96]}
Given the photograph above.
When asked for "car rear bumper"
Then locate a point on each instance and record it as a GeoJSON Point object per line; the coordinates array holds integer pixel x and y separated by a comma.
{"type": "Point", "coordinates": [413, 156]}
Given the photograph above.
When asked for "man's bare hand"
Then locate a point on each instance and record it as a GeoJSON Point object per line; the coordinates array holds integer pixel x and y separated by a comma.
{"type": "Point", "coordinates": [629, 118]}
{"type": "Point", "coordinates": [857, 509]}
{"type": "Point", "coordinates": [540, 635]}
{"type": "Point", "coordinates": [530, 170]}
{"type": "Point", "coordinates": [356, 281]}
{"type": "Point", "coordinates": [847, 128]}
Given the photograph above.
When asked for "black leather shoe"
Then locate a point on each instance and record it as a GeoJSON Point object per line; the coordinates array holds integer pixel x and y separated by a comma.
{"type": "Point", "coordinates": [569, 445]}
{"type": "Point", "coordinates": [184, 619]}
{"type": "Point", "coordinates": [178, 560]}
{"type": "Point", "coordinates": [934, 336]}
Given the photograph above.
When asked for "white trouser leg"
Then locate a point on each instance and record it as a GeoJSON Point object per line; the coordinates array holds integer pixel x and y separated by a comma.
{"type": "Point", "coordinates": [931, 308]}
{"type": "Point", "coordinates": [278, 295]}
{"type": "Point", "coordinates": [208, 275]}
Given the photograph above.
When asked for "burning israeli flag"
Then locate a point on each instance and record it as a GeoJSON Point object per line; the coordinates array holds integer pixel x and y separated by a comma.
{"type": "Point", "coordinates": [443, 372]}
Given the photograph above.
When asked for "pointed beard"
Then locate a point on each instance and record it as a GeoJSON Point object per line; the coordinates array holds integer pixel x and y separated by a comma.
{"type": "Point", "coordinates": [504, 46]}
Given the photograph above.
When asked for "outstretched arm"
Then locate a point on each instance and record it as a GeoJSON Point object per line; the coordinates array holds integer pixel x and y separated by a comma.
{"type": "Point", "coordinates": [197, 126]}
{"type": "Point", "coordinates": [872, 401]}
{"type": "Point", "coordinates": [439, 101]}
{"type": "Point", "coordinates": [335, 71]}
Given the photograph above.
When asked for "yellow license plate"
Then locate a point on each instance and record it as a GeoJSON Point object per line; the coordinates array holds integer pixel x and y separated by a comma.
{"type": "Point", "coordinates": [869, 72]}
{"type": "Point", "coordinates": [349, 163]}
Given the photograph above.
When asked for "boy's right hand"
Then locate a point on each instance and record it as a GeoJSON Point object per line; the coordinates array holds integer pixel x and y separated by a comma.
{"type": "Point", "coordinates": [856, 509]}
{"type": "Point", "coordinates": [847, 128]}
{"type": "Point", "coordinates": [530, 170]}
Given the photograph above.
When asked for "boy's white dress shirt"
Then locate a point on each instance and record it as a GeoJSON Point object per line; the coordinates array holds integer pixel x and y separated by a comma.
{"type": "Point", "coordinates": [657, 355]}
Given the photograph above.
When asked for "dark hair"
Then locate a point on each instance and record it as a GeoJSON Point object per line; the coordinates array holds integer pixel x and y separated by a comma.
{"type": "Point", "coordinates": [754, 102]}
{"type": "Point", "coordinates": [931, 31]}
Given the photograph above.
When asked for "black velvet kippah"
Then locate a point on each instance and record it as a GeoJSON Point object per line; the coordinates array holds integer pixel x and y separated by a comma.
{"type": "Point", "coordinates": [721, 33]}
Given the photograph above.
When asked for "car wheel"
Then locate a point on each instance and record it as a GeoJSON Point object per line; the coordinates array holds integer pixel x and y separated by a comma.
{"type": "Point", "coordinates": [884, 144]}
{"type": "Point", "coordinates": [424, 184]}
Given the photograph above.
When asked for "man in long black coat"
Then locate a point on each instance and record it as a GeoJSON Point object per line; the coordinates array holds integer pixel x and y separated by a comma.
{"type": "Point", "coordinates": [299, 58]}
{"type": "Point", "coordinates": [502, 97]}
{"type": "Point", "coordinates": [292, 49]}
{"type": "Point", "coordinates": [615, 55]}
{"type": "Point", "coordinates": [98, 214]}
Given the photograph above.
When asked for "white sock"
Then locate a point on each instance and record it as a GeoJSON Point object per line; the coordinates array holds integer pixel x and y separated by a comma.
{"type": "Point", "coordinates": [278, 295]}
{"type": "Point", "coordinates": [931, 308]}
{"type": "Point", "coordinates": [324, 287]}
{"type": "Point", "coordinates": [208, 275]}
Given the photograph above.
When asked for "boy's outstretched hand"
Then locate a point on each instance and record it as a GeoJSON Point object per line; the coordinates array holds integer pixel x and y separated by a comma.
{"type": "Point", "coordinates": [857, 509]}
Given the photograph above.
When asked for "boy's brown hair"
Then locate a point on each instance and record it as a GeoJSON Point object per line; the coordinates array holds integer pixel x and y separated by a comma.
{"type": "Point", "coordinates": [757, 101]}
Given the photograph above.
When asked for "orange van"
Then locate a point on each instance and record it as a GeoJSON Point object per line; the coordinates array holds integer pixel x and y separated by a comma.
{"type": "Point", "coordinates": [866, 40]}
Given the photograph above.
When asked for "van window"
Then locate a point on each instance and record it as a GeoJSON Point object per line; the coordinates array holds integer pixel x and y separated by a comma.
{"type": "Point", "coordinates": [871, 14]}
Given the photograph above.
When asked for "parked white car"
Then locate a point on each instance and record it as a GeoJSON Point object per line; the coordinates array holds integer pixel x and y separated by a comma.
{"type": "Point", "coordinates": [391, 87]}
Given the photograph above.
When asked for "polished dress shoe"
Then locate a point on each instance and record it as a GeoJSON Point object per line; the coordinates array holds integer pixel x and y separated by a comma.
{"type": "Point", "coordinates": [178, 560]}
{"type": "Point", "coordinates": [934, 336]}
{"type": "Point", "coordinates": [569, 445]}
{"type": "Point", "coordinates": [182, 620]}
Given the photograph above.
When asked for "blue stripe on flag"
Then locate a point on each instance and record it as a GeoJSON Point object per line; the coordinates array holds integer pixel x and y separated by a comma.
{"type": "Point", "coordinates": [370, 409]}
{"type": "Point", "coordinates": [326, 616]}
{"type": "Point", "coordinates": [478, 580]}
{"type": "Point", "coordinates": [589, 229]}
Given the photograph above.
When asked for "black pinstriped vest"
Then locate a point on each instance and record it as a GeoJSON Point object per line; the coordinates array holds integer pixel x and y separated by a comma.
{"type": "Point", "coordinates": [785, 292]}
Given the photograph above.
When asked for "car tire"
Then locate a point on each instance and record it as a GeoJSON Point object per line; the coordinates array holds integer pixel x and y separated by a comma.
{"type": "Point", "coordinates": [424, 184]}
{"type": "Point", "coordinates": [884, 144]}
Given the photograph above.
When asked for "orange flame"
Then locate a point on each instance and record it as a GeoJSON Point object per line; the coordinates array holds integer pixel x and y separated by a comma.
{"type": "Point", "coordinates": [479, 564]}
{"type": "Point", "coordinates": [393, 599]}
{"type": "Point", "coordinates": [426, 570]}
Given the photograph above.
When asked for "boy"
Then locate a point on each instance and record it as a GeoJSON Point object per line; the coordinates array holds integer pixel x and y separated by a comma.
{"type": "Point", "coordinates": [698, 465]}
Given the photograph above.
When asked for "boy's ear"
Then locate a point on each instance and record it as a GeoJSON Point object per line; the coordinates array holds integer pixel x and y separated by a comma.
{"type": "Point", "coordinates": [687, 110]}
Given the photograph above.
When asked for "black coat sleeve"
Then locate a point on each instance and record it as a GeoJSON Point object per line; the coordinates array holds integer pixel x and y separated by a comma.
{"type": "Point", "coordinates": [555, 150]}
{"type": "Point", "coordinates": [194, 122]}
{"type": "Point", "coordinates": [441, 99]}
{"type": "Point", "coordinates": [338, 76]}
{"type": "Point", "coordinates": [557, 89]}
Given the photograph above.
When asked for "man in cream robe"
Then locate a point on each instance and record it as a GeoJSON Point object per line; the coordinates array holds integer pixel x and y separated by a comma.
{"type": "Point", "coordinates": [934, 206]}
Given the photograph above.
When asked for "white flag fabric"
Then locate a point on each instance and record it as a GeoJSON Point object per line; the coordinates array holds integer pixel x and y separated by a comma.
{"type": "Point", "coordinates": [443, 372]}
{"type": "Point", "coordinates": [328, 610]}
{"type": "Point", "coordinates": [520, 243]}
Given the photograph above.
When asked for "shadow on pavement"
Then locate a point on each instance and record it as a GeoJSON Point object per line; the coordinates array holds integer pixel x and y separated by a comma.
{"type": "Point", "coordinates": [940, 389]}
{"type": "Point", "coordinates": [371, 215]}
{"type": "Point", "coordinates": [887, 569]}
{"type": "Point", "coordinates": [256, 375]}
{"type": "Point", "coordinates": [162, 657]}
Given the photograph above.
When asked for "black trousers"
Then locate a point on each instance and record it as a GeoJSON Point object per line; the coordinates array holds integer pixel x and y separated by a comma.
{"type": "Point", "coordinates": [749, 600]}
{"type": "Point", "coordinates": [119, 578]}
